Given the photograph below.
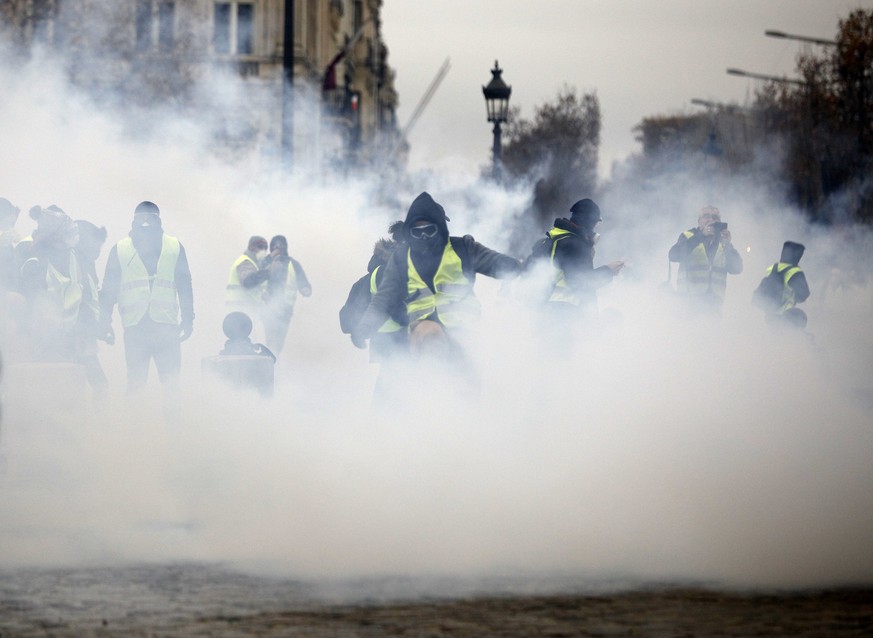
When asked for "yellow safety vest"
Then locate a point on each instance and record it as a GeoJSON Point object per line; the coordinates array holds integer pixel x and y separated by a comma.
{"type": "Point", "coordinates": [238, 296]}
{"type": "Point", "coordinates": [390, 325]}
{"type": "Point", "coordinates": [64, 292]}
{"type": "Point", "coordinates": [453, 303]}
{"type": "Point", "coordinates": [142, 293]}
{"type": "Point", "coordinates": [697, 276]}
{"type": "Point", "coordinates": [788, 271]}
{"type": "Point", "coordinates": [289, 296]}
{"type": "Point", "coordinates": [561, 292]}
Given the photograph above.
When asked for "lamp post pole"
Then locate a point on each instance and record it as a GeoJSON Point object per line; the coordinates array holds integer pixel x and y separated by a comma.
{"type": "Point", "coordinates": [288, 89]}
{"type": "Point", "coordinates": [497, 94]}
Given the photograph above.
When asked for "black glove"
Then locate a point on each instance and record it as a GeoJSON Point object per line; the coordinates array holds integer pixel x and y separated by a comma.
{"type": "Point", "coordinates": [185, 330]}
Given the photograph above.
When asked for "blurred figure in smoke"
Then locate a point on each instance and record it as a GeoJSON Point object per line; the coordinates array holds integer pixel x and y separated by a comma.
{"type": "Point", "coordinates": [247, 282]}
{"type": "Point", "coordinates": [147, 275]}
{"type": "Point", "coordinates": [61, 301]}
{"type": "Point", "coordinates": [782, 288]}
{"type": "Point", "coordinates": [286, 279]}
{"type": "Point", "coordinates": [569, 247]}
{"type": "Point", "coordinates": [8, 239]}
{"type": "Point", "coordinates": [433, 274]}
{"type": "Point", "coordinates": [391, 338]}
{"type": "Point", "coordinates": [705, 256]}
{"type": "Point", "coordinates": [91, 240]}
{"type": "Point", "coordinates": [13, 308]}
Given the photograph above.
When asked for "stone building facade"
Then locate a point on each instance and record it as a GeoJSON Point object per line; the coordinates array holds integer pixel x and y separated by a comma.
{"type": "Point", "coordinates": [141, 53]}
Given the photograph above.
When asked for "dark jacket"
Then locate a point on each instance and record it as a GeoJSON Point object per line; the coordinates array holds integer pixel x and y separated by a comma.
{"type": "Point", "coordinates": [575, 256]}
{"type": "Point", "coordinates": [683, 247]}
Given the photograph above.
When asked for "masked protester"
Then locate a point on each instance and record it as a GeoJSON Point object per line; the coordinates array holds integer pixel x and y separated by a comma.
{"type": "Point", "coordinates": [569, 248]}
{"type": "Point", "coordinates": [247, 282]}
{"type": "Point", "coordinates": [147, 275]}
{"type": "Point", "coordinates": [433, 274]}
{"type": "Point", "coordinates": [286, 280]}
{"type": "Point", "coordinates": [61, 301]}
{"type": "Point", "coordinates": [705, 256]}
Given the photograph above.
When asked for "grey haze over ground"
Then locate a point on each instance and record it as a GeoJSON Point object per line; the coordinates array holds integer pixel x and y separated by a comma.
{"type": "Point", "coordinates": [657, 450]}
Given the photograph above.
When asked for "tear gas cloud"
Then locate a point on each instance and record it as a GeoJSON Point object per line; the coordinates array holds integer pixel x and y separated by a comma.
{"type": "Point", "coordinates": [657, 449]}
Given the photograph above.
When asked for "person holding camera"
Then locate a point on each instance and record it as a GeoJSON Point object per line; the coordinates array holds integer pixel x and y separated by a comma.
{"type": "Point", "coordinates": [705, 256]}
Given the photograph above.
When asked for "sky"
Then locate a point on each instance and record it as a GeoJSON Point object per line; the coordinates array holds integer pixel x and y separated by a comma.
{"type": "Point", "coordinates": [642, 58]}
{"type": "Point", "coordinates": [657, 450]}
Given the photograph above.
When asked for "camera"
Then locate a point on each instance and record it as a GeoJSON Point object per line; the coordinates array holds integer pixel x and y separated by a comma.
{"type": "Point", "coordinates": [718, 227]}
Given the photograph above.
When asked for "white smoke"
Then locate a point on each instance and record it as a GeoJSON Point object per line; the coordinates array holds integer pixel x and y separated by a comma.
{"type": "Point", "coordinates": [657, 448]}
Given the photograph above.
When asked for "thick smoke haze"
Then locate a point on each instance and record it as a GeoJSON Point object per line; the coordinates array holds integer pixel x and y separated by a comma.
{"type": "Point", "coordinates": [656, 449]}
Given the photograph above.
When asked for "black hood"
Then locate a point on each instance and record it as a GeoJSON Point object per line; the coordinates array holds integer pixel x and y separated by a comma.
{"type": "Point", "coordinates": [792, 252]}
{"type": "Point", "coordinates": [423, 207]}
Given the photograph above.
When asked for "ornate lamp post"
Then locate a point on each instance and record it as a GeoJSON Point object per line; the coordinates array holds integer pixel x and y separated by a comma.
{"type": "Point", "coordinates": [497, 102]}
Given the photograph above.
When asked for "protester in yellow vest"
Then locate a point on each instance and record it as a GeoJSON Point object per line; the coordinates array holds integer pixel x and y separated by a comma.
{"type": "Point", "coordinates": [54, 284]}
{"type": "Point", "coordinates": [91, 240]}
{"type": "Point", "coordinates": [247, 282]}
{"type": "Point", "coordinates": [705, 256]}
{"type": "Point", "coordinates": [147, 275]}
{"type": "Point", "coordinates": [434, 276]}
{"type": "Point", "coordinates": [782, 288]}
{"type": "Point", "coordinates": [287, 278]}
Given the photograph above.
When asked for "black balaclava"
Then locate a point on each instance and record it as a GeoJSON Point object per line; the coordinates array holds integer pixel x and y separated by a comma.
{"type": "Point", "coordinates": [791, 253]}
{"type": "Point", "coordinates": [426, 253]}
{"type": "Point", "coordinates": [425, 208]}
{"type": "Point", "coordinates": [146, 230]}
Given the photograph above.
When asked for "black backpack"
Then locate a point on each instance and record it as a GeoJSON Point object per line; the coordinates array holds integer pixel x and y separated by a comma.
{"type": "Point", "coordinates": [768, 294]}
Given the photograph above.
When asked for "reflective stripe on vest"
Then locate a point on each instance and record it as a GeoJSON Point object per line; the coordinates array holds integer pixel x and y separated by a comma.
{"type": "Point", "coordinates": [561, 292]}
{"type": "Point", "coordinates": [289, 295]}
{"type": "Point", "coordinates": [788, 271]}
{"type": "Point", "coordinates": [238, 296]}
{"type": "Point", "coordinates": [453, 303]}
{"type": "Point", "coordinates": [390, 325]}
{"type": "Point", "coordinates": [141, 293]}
{"type": "Point", "coordinates": [697, 276]}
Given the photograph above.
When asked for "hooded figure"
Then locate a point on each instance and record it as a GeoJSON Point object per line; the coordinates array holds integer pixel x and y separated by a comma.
{"type": "Point", "coordinates": [147, 275]}
{"type": "Point", "coordinates": [783, 287]}
{"type": "Point", "coordinates": [433, 275]}
{"type": "Point", "coordinates": [569, 247]}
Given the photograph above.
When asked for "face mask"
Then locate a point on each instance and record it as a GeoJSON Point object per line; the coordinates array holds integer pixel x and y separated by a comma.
{"type": "Point", "coordinates": [259, 256]}
{"type": "Point", "coordinates": [596, 238]}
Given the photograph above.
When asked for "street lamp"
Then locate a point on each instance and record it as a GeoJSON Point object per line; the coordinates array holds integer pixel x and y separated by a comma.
{"type": "Point", "coordinates": [768, 78]}
{"type": "Point", "coordinates": [497, 103]}
{"type": "Point", "coordinates": [802, 38]}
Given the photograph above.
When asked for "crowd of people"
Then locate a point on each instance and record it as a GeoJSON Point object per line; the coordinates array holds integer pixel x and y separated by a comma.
{"type": "Point", "coordinates": [417, 297]}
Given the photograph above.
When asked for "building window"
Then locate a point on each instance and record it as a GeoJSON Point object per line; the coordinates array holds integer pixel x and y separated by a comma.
{"type": "Point", "coordinates": [43, 13]}
{"type": "Point", "coordinates": [234, 28]}
{"type": "Point", "coordinates": [166, 35]}
{"type": "Point", "coordinates": [155, 25]}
